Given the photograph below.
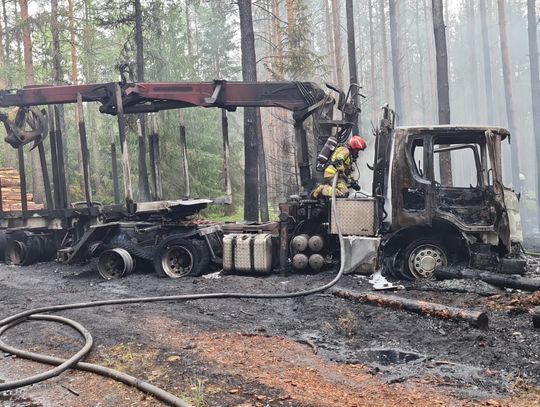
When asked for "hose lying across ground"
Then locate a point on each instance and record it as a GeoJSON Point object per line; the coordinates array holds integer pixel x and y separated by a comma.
{"type": "Point", "coordinates": [75, 360]}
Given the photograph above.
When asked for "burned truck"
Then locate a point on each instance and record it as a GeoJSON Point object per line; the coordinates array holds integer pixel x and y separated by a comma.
{"type": "Point", "coordinates": [437, 196]}
{"type": "Point", "coordinates": [437, 199]}
{"type": "Point", "coordinates": [161, 233]}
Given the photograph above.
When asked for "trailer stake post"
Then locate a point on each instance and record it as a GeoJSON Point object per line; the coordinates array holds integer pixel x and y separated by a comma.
{"type": "Point", "coordinates": [153, 141]}
{"type": "Point", "coordinates": [128, 190]}
{"type": "Point", "coordinates": [114, 166]}
{"type": "Point", "coordinates": [183, 148]}
{"type": "Point", "coordinates": [62, 176]}
{"type": "Point", "coordinates": [54, 159]}
{"type": "Point", "coordinates": [22, 178]}
{"type": "Point", "coordinates": [84, 152]}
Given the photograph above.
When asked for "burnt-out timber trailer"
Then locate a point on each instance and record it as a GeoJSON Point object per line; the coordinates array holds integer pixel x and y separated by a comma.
{"type": "Point", "coordinates": [158, 232]}
{"type": "Point", "coordinates": [424, 210]}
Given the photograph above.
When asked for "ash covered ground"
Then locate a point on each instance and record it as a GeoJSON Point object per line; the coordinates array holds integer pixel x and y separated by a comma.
{"type": "Point", "coordinates": [313, 351]}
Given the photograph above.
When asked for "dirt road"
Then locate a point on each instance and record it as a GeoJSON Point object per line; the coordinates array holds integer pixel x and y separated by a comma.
{"type": "Point", "coordinates": [313, 351]}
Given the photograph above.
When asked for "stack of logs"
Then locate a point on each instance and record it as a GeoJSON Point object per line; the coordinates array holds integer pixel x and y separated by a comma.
{"type": "Point", "coordinates": [11, 191]}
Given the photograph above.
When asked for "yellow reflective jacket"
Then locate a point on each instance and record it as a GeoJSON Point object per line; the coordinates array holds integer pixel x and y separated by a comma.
{"type": "Point", "coordinates": [341, 162]}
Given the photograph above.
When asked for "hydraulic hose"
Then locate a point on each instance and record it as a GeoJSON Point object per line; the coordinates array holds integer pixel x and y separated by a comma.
{"type": "Point", "coordinates": [74, 361]}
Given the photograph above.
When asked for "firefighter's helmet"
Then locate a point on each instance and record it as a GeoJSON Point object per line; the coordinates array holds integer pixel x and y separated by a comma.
{"type": "Point", "coordinates": [357, 143]}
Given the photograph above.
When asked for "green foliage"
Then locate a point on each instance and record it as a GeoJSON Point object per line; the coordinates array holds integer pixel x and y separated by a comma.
{"type": "Point", "coordinates": [301, 61]}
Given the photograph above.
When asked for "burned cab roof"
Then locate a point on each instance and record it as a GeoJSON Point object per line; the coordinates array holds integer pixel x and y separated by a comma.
{"type": "Point", "coordinates": [451, 130]}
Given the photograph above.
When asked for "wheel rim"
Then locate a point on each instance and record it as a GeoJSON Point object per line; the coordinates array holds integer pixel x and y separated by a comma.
{"type": "Point", "coordinates": [424, 259]}
{"type": "Point", "coordinates": [115, 263]}
{"type": "Point", "coordinates": [177, 261]}
{"type": "Point", "coordinates": [17, 253]}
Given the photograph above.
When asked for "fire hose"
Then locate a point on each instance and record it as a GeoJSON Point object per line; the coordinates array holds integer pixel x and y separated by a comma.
{"type": "Point", "coordinates": [74, 362]}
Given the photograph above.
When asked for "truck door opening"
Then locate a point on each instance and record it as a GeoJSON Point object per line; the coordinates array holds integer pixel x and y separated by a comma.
{"type": "Point", "coordinates": [466, 195]}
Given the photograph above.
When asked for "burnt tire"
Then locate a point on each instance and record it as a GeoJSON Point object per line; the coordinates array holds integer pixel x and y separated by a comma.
{"type": "Point", "coordinates": [421, 257]}
{"type": "Point", "coordinates": [181, 257]}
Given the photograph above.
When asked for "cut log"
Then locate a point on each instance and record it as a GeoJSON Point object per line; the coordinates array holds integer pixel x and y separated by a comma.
{"type": "Point", "coordinates": [498, 280]}
{"type": "Point", "coordinates": [9, 182]}
{"type": "Point", "coordinates": [31, 206]}
{"type": "Point", "coordinates": [11, 192]}
{"type": "Point", "coordinates": [475, 318]}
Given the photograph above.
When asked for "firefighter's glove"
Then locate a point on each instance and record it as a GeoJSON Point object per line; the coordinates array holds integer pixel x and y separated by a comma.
{"type": "Point", "coordinates": [355, 186]}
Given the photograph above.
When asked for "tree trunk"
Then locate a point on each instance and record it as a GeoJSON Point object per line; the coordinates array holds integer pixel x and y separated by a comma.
{"type": "Point", "coordinates": [442, 62]}
{"type": "Point", "coordinates": [336, 24]}
{"type": "Point", "coordinates": [396, 63]}
{"type": "Point", "coordinates": [351, 51]}
{"type": "Point", "coordinates": [19, 54]}
{"type": "Point", "coordinates": [420, 64]}
{"type": "Point", "coordinates": [37, 177]}
{"type": "Point", "coordinates": [471, 30]}
{"type": "Point", "coordinates": [384, 47]}
{"type": "Point", "coordinates": [74, 81]}
{"type": "Point", "coordinates": [3, 85]}
{"type": "Point", "coordinates": [373, 86]}
{"type": "Point", "coordinates": [263, 182]}
{"type": "Point", "coordinates": [71, 18]}
{"type": "Point", "coordinates": [329, 34]}
{"type": "Point", "coordinates": [443, 93]}
{"type": "Point", "coordinates": [251, 150]}
{"type": "Point", "coordinates": [508, 95]}
{"type": "Point", "coordinates": [57, 54]}
{"type": "Point", "coordinates": [89, 68]}
{"type": "Point", "coordinates": [188, 31]}
{"type": "Point", "coordinates": [229, 209]}
{"type": "Point", "coordinates": [487, 63]}
{"type": "Point", "coordinates": [3, 79]}
{"type": "Point", "coordinates": [431, 81]}
{"type": "Point", "coordinates": [183, 149]}
{"type": "Point", "coordinates": [144, 188]}
{"type": "Point", "coordinates": [535, 90]}
{"type": "Point", "coordinates": [7, 38]}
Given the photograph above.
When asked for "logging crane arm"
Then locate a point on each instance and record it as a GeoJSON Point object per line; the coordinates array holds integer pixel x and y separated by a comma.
{"type": "Point", "coordinates": [302, 98]}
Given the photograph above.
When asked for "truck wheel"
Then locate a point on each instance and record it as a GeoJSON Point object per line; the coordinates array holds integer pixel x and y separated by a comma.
{"type": "Point", "coordinates": [180, 257]}
{"type": "Point", "coordinates": [422, 256]}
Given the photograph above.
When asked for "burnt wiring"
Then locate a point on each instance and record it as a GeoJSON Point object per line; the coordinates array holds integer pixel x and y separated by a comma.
{"type": "Point", "coordinates": [75, 362]}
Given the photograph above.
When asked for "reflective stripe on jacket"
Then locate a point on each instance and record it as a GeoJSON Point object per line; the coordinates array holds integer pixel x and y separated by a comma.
{"type": "Point", "coordinates": [341, 162]}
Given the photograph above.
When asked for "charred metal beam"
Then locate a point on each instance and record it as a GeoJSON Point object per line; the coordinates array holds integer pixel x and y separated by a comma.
{"type": "Point", "coordinates": [54, 159]}
{"type": "Point", "coordinates": [475, 318]}
{"type": "Point", "coordinates": [300, 97]}
{"type": "Point", "coordinates": [114, 166]}
{"type": "Point", "coordinates": [51, 95]}
{"type": "Point", "coordinates": [302, 154]}
{"type": "Point", "coordinates": [155, 162]}
{"type": "Point", "coordinates": [183, 148]}
{"type": "Point", "coordinates": [84, 151]}
{"type": "Point", "coordinates": [45, 174]}
{"type": "Point", "coordinates": [22, 178]}
{"type": "Point", "coordinates": [128, 190]}
{"type": "Point", "coordinates": [62, 176]}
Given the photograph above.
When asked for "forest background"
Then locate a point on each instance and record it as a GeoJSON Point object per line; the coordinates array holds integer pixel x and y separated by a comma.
{"type": "Point", "coordinates": [84, 41]}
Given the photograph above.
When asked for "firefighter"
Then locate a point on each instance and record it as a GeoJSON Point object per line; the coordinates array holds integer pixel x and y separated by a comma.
{"type": "Point", "coordinates": [341, 161]}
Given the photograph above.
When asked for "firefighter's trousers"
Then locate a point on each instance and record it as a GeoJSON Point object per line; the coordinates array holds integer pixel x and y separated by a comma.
{"type": "Point", "coordinates": [325, 189]}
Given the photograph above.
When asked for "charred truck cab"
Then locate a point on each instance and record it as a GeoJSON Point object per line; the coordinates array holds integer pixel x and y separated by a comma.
{"type": "Point", "coordinates": [448, 203]}
{"type": "Point", "coordinates": [437, 199]}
